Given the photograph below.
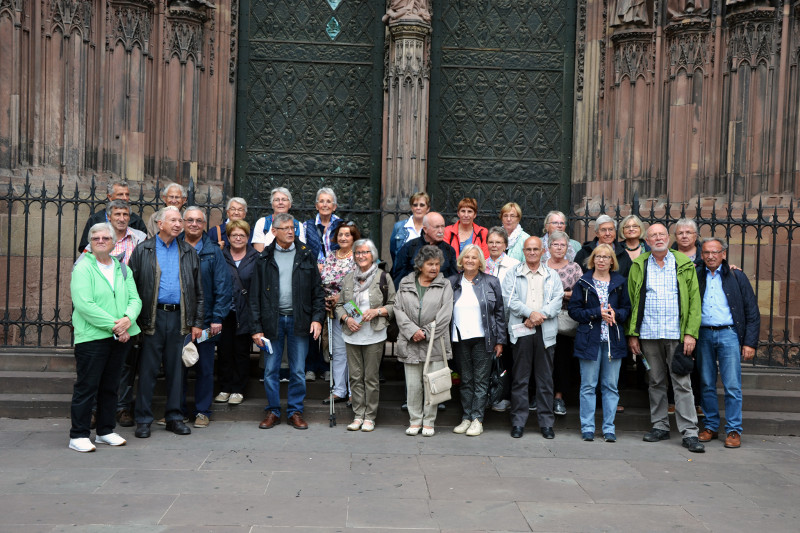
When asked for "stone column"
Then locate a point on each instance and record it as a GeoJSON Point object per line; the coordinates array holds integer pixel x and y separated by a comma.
{"type": "Point", "coordinates": [406, 106]}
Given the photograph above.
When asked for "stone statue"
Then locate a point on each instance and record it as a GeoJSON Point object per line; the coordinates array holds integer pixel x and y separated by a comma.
{"type": "Point", "coordinates": [678, 9]}
{"type": "Point", "coordinates": [407, 10]}
{"type": "Point", "coordinates": [632, 12]}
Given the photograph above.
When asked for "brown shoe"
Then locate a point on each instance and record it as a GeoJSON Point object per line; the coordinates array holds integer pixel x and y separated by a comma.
{"type": "Point", "coordinates": [296, 420]}
{"type": "Point", "coordinates": [706, 435]}
{"type": "Point", "coordinates": [733, 440]}
{"type": "Point", "coordinates": [125, 419]}
{"type": "Point", "coordinates": [270, 421]}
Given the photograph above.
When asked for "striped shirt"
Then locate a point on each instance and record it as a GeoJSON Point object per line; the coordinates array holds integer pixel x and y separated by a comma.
{"type": "Point", "coordinates": [661, 318]}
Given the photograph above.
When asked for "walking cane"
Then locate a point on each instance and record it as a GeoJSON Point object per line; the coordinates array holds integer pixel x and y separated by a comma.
{"type": "Point", "coordinates": [332, 409]}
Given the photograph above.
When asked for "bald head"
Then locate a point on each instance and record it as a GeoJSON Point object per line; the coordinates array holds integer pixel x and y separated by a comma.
{"type": "Point", "coordinates": [433, 224]}
{"type": "Point", "coordinates": [658, 238]}
{"type": "Point", "coordinates": [532, 248]}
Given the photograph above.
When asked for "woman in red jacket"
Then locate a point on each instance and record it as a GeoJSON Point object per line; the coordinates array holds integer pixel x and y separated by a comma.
{"type": "Point", "coordinates": [465, 231]}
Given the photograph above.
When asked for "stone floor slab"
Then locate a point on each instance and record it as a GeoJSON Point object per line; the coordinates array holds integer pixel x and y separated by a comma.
{"type": "Point", "coordinates": [771, 519]}
{"type": "Point", "coordinates": [478, 514]}
{"type": "Point", "coordinates": [457, 464]}
{"type": "Point", "coordinates": [701, 471]}
{"type": "Point", "coordinates": [589, 518]}
{"type": "Point", "coordinates": [78, 509]}
{"type": "Point", "coordinates": [781, 496]}
{"type": "Point", "coordinates": [53, 481]}
{"type": "Point", "coordinates": [665, 493]}
{"type": "Point", "coordinates": [146, 481]}
{"type": "Point", "coordinates": [266, 460]}
{"type": "Point", "coordinates": [376, 513]}
{"type": "Point", "coordinates": [552, 468]}
{"type": "Point", "coordinates": [346, 484]}
{"type": "Point", "coordinates": [477, 487]}
{"type": "Point", "coordinates": [376, 463]}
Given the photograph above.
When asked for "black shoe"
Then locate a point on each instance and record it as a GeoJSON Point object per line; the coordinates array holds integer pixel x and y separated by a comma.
{"type": "Point", "coordinates": [588, 436]}
{"type": "Point", "coordinates": [548, 433]}
{"type": "Point", "coordinates": [142, 431]}
{"type": "Point", "coordinates": [404, 407]}
{"type": "Point", "coordinates": [655, 435]}
{"type": "Point", "coordinates": [517, 431]}
{"type": "Point", "coordinates": [178, 427]}
{"type": "Point", "coordinates": [336, 399]}
{"type": "Point", "coordinates": [694, 444]}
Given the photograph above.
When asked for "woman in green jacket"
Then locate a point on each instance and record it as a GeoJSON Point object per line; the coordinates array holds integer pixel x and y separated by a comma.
{"type": "Point", "coordinates": [105, 307]}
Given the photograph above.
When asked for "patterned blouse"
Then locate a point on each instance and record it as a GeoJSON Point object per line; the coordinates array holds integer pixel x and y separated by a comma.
{"type": "Point", "coordinates": [569, 275]}
{"type": "Point", "coordinates": [602, 294]}
{"type": "Point", "coordinates": [334, 270]}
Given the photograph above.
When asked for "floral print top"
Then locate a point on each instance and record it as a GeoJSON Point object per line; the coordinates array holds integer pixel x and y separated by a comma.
{"type": "Point", "coordinates": [602, 294]}
{"type": "Point", "coordinates": [334, 270]}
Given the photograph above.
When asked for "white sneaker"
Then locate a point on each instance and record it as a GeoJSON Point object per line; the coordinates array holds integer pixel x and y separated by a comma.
{"type": "Point", "coordinates": [501, 406]}
{"type": "Point", "coordinates": [475, 429]}
{"type": "Point", "coordinates": [112, 439]}
{"type": "Point", "coordinates": [462, 427]}
{"type": "Point", "coordinates": [222, 397]}
{"type": "Point", "coordinates": [82, 445]}
{"type": "Point", "coordinates": [236, 399]}
{"type": "Point", "coordinates": [311, 376]}
{"type": "Point", "coordinates": [368, 426]}
{"type": "Point", "coordinates": [355, 425]}
{"type": "Point", "coordinates": [428, 431]}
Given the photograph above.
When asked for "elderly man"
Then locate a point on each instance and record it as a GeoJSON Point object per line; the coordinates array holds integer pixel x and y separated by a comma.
{"type": "Point", "coordinates": [117, 190]}
{"type": "Point", "coordinates": [605, 229]}
{"type": "Point", "coordinates": [533, 294]}
{"type": "Point", "coordinates": [173, 194]}
{"type": "Point", "coordinates": [287, 304]}
{"type": "Point", "coordinates": [235, 210]}
{"type": "Point", "coordinates": [432, 233]}
{"type": "Point", "coordinates": [217, 295]}
{"type": "Point", "coordinates": [730, 320]}
{"type": "Point", "coordinates": [167, 275]}
{"type": "Point", "coordinates": [665, 312]}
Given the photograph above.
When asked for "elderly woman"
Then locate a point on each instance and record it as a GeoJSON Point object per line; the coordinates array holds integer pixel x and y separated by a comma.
{"type": "Point", "coordinates": [510, 217]}
{"type": "Point", "coordinates": [606, 233]}
{"type": "Point", "coordinates": [337, 265]}
{"type": "Point", "coordinates": [236, 210]}
{"type": "Point", "coordinates": [633, 236]}
{"type": "Point", "coordinates": [233, 354]}
{"type": "Point", "coordinates": [499, 262]}
{"type": "Point", "coordinates": [570, 273]}
{"type": "Point", "coordinates": [281, 200]}
{"type": "Point", "coordinates": [319, 230]}
{"type": "Point", "coordinates": [105, 307]}
{"type": "Point", "coordinates": [557, 221]}
{"type": "Point", "coordinates": [600, 304]}
{"type": "Point", "coordinates": [687, 240]}
{"type": "Point", "coordinates": [465, 231]}
{"type": "Point", "coordinates": [411, 228]}
{"type": "Point", "coordinates": [422, 297]}
{"type": "Point", "coordinates": [364, 308]}
{"type": "Point", "coordinates": [478, 334]}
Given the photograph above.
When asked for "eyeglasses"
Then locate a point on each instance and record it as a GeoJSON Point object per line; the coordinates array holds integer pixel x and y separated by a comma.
{"type": "Point", "coordinates": [602, 258]}
{"type": "Point", "coordinates": [685, 233]}
{"type": "Point", "coordinates": [510, 216]}
{"type": "Point", "coordinates": [236, 209]}
{"type": "Point", "coordinates": [606, 230]}
{"type": "Point", "coordinates": [713, 252]}
{"type": "Point", "coordinates": [362, 253]}
{"type": "Point", "coordinates": [558, 245]}
{"type": "Point", "coordinates": [191, 221]}
{"type": "Point", "coordinates": [419, 204]}
{"type": "Point", "coordinates": [630, 227]}
{"type": "Point", "coordinates": [287, 228]}
{"type": "Point", "coordinates": [557, 223]}
{"type": "Point", "coordinates": [174, 197]}
{"type": "Point", "coordinates": [658, 236]}
{"type": "Point", "coordinates": [101, 239]}
{"type": "Point", "coordinates": [237, 236]}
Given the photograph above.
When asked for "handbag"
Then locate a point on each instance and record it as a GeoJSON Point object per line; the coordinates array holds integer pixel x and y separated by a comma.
{"type": "Point", "coordinates": [497, 386]}
{"type": "Point", "coordinates": [566, 325]}
{"type": "Point", "coordinates": [436, 384]}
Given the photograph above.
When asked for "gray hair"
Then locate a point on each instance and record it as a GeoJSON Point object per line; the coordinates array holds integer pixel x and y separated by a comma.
{"type": "Point", "coordinates": [116, 183]}
{"type": "Point", "coordinates": [368, 243]}
{"type": "Point", "coordinates": [682, 222]}
{"type": "Point", "coordinates": [280, 218]}
{"type": "Point", "coordinates": [636, 220]}
{"type": "Point", "coordinates": [103, 226]}
{"type": "Point", "coordinates": [558, 236]}
{"type": "Point", "coordinates": [163, 212]}
{"type": "Point", "coordinates": [425, 254]}
{"type": "Point", "coordinates": [117, 204]}
{"type": "Point", "coordinates": [282, 190]}
{"type": "Point", "coordinates": [552, 214]}
{"type": "Point", "coordinates": [169, 186]}
{"type": "Point", "coordinates": [498, 230]}
{"type": "Point", "coordinates": [722, 242]}
{"type": "Point", "coordinates": [329, 192]}
{"type": "Point", "coordinates": [194, 208]}
{"type": "Point", "coordinates": [604, 219]}
{"type": "Point", "coordinates": [238, 200]}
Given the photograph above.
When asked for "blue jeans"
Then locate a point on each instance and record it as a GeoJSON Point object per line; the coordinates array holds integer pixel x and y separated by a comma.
{"type": "Point", "coordinates": [297, 348]}
{"type": "Point", "coordinates": [608, 373]}
{"type": "Point", "coordinates": [203, 380]}
{"type": "Point", "coordinates": [721, 346]}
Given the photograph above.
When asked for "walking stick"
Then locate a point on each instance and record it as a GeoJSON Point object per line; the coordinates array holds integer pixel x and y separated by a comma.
{"type": "Point", "coordinates": [332, 409]}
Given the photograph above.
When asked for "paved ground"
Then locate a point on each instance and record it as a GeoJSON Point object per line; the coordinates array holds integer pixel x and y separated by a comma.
{"type": "Point", "coordinates": [233, 477]}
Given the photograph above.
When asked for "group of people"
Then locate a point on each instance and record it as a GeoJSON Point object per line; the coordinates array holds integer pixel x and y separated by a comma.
{"type": "Point", "coordinates": [538, 303]}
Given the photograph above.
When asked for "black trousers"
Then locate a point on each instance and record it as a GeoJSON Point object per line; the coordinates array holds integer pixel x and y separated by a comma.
{"type": "Point", "coordinates": [164, 345]}
{"type": "Point", "coordinates": [233, 357]}
{"type": "Point", "coordinates": [98, 364]}
{"type": "Point", "coordinates": [529, 352]}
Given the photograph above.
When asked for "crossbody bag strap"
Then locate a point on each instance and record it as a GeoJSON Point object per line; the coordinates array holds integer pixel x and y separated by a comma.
{"type": "Point", "coordinates": [430, 347]}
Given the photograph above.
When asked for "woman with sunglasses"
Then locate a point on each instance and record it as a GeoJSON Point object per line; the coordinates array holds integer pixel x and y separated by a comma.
{"type": "Point", "coordinates": [410, 228]}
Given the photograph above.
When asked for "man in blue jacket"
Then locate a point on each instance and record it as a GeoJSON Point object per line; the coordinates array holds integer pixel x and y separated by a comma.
{"type": "Point", "coordinates": [729, 327]}
{"type": "Point", "coordinates": [217, 293]}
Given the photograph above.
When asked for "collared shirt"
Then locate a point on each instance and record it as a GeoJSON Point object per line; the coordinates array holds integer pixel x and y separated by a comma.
{"type": "Point", "coordinates": [535, 297]}
{"type": "Point", "coordinates": [661, 319]}
{"type": "Point", "coordinates": [412, 231]}
{"type": "Point", "coordinates": [124, 247]}
{"type": "Point", "coordinates": [168, 257]}
{"type": "Point", "coordinates": [325, 236]}
{"type": "Point", "coordinates": [716, 311]}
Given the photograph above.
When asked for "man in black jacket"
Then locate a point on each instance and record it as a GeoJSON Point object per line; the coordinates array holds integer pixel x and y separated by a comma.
{"type": "Point", "coordinates": [432, 233]}
{"type": "Point", "coordinates": [728, 333]}
{"type": "Point", "coordinates": [167, 275]}
{"type": "Point", "coordinates": [117, 190]}
{"type": "Point", "coordinates": [287, 304]}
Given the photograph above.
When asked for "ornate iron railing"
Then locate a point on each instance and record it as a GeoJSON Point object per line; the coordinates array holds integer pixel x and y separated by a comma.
{"type": "Point", "coordinates": [40, 228]}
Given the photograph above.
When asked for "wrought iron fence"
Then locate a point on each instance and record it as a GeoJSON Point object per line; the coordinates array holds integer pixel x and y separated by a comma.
{"type": "Point", "coordinates": [40, 229]}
